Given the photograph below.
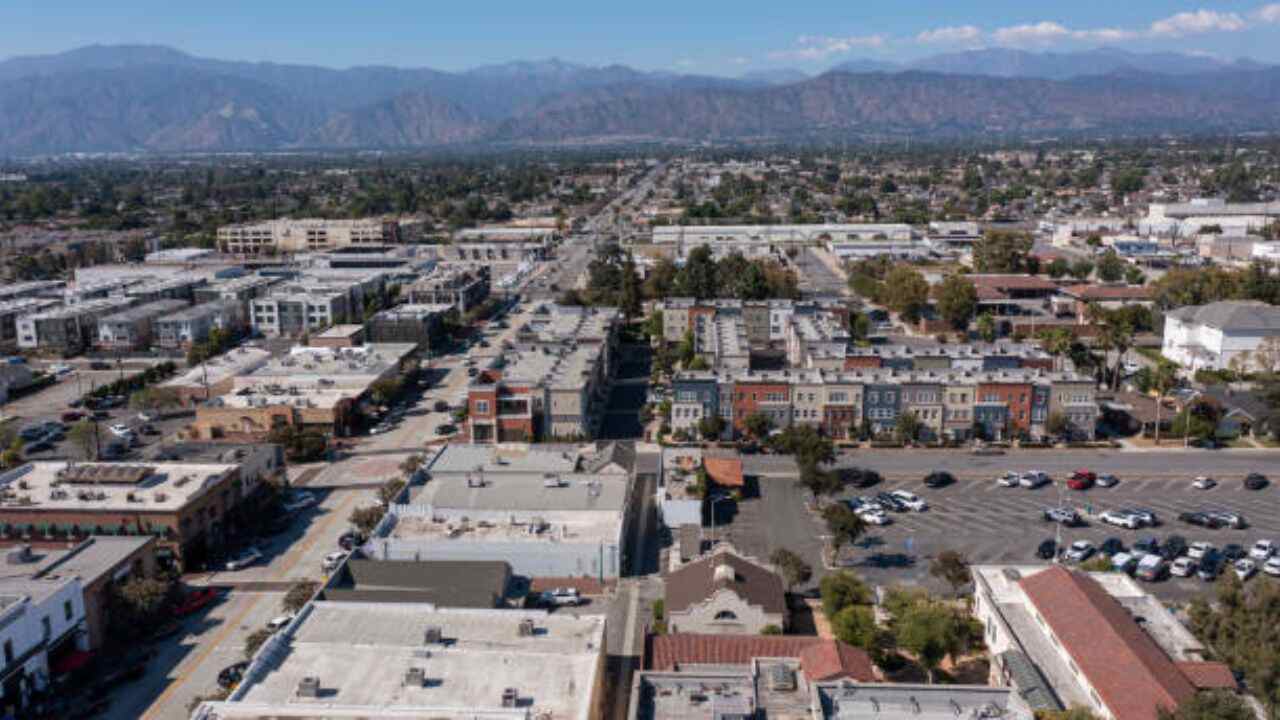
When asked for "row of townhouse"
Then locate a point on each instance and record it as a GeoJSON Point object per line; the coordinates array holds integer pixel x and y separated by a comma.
{"type": "Point", "coordinates": [764, 321]}
{"type": "Point", "coordinates": [950, 404]}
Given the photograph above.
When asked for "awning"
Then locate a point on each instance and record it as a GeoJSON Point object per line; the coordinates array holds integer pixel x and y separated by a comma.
{"type": "Point", "coordinates": [71, 662]}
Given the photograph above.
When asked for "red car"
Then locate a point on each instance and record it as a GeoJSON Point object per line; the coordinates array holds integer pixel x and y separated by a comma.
{"type": "Point", "coordinates": [1082, 479]}
{"type": "Point", "coordinates": [71, 416]}
{"type": "Point", "coordinates": [195, 602]}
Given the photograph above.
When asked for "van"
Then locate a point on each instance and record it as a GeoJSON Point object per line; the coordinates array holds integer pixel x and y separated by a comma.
{"type": "Point", "coordinates": [1152, 568]}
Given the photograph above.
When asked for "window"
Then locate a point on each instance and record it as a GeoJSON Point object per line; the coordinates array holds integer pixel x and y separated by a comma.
{"type": "Point", "coordinates": [8, 652]}
{"type": "Point", "coordinates": [66, 609]}
{"type": "Point", "coordinates": [482, 407]}
{"type": "Point", "coordinates": [726, 615]}
{"type": "Point", "coordinates": [47, 626]}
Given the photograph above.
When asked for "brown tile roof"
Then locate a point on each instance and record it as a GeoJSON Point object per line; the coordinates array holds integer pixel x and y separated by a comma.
{"type": "Point", "coordinates": [1108, 292]}
{"type": "Point", "coordinates": [1131, 673]}
{"type": "Point", "coordinates": [724, 471]}
{"type": "Point", "coordinates": [1208, 675]}
{"type": "Point", "coordinates": [696, 582]}
{"type": "Point", "coordinates": [820, 660]}
{"type": "Point", "coordinates": [1012, 282]}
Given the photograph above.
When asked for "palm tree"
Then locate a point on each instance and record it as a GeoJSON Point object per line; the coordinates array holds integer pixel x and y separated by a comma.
{"type": "Point", "coordinates": [1163, 379]}
{"type": "Point", "coordinates": [1057, 342]}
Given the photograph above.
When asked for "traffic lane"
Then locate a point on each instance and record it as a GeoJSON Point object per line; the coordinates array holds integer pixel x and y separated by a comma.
{"type": "Point", "coordinates": [991, 524]}
{"type": "Point", "coordinates": [1225, 465]}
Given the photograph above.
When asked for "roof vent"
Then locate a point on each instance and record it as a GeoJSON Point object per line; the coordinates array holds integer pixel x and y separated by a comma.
{"type": "Point", "coordinates": [725, 573]}
{"type": "Point", "coordinates": [309, 687]}
{"type": "Point", "coordinates": [510, 697]}
{"type": "Point", "coordinates": [525, 628]}
{"type": "Point", "coordinates": [415, 677]}
{"type": "Point", "coordinates": [782, 678]}
{"type": "Point", "coordinates": [433, 635]}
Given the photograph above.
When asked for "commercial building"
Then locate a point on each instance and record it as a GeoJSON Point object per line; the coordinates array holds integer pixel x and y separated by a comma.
{"type": "Point", "coordinates": [306, 235]}
{"type": "Point", "coordinates": [760, 240]}
{"type": "Point", "coordinates": [1187, 219]}
{"type": "Point", "coordinates": [463, 288]}
{"type": "Point", "coordinates": [1231, 334]}
{"type": "Point", "coordinates": [192, 325]}
{"type": "Point", "coordinates": [216, 376]}
{"type": "Point", "coordinates": [190, 507]}
{"type": "Point", "coordinates": [42, 621]}
{"type": "Point", "coordinates": [1066, 638]}
{"type": "Point", "coordinates": [421, 325]}
{"type": "Point", "coordinates": [544, 513]}
{"type": "Point", "coordinates": [67, 330]}
{"type": "Point", "coordinates": [397, 661]}
{"type": "Point", "coordinates": [443, 583]}
{"type": "Point", "coordinates": [291, 313]}
{"type": "Point", "coordinates": [133, 328]}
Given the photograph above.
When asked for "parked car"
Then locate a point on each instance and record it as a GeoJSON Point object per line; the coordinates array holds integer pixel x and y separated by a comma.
{"type": "Point", "coordinates": [99, 365]}
{"type": "Point", "coordinates": [1111, 547]}
{"type": "Point", "coordinates": [910, 500]}
{"type": "Point", "coordinates": [1234, 551]}
{"type": "Point", "coordinates": [299, 500]}
{"type": "Point", "coordinates": [230, 676]}
{"type": "Point", "coordinates": [350, 539]}
{"type": "Point", "coordinates": [149, 429]}
{"type": "Point", "coordinates": [1033, 479]}
{"type": "Point", "coordinates": [875, 516]}
{"type": "Point", "coordinates": [1009, 479]}
{"type": "Point", "coordinates": [1272, 566]}
{"type": "Point", "coordinates": [1245, 569]}
{"type": "Point", "coordinates": [1229, 519]}
{"type": "Point", "coordinates": [1062, 515]}
{"type": "Point", "coordinates": [1203, 483]}
{"type": "Point", "coordinates": [1080, 551]}
{"type": "Point", "coordinates": [1120, 518]}
{"type": "Point", "coordinates": [939, 478]}
{"type": "Point", "coordinates": [441, 406]}
{"type": "Point", "coordinates": [561, 597]}
{"type": "Point", "coordinates": [1147, 545]}
{"type": "Point", "coordinates": [72, 416]}
{"type": "Point", "coordinates": [121, 430]}
{"type": "Point", "coordinates": [446, 429]}
{"type": "Point", "coordinates": [244, 559]}
{"type": "Point", "coordinates": [1082, 479]}
{"type": "Point", "coordinates": [1255, 481]}
{"type": "Point", "coordinates": [1151, 568]}
{"type": "Point", "coordinates": [1210, 567]}
{"type": "Point", "coordinates": [147, 417]}
{"type": "Point", "coordinates": [1107, 480]}
{"type": "Point", "coordinates": [1147, 517]}
{"type": "Point", "coordinates": [1200, 519]}
{"type": "Point", "coordinates": [1174, 546]}
{"type": "Point", "coordinates": [1262, 550]}
{"type": "Point", "coordinates": [332, 561]}
{"type": "Point", "coordinates": [278, 623]}
{"type": "Point", "coordinates": [1047, 550]}
{"type": "Point", "coordinates": [1182, 567]}
{"type": "Point", "coordinates": [1125, 562]}
{"type": "Point", "coordinates": [1199, 550]}
{"type": "Point", "coordinates": [195, 601]}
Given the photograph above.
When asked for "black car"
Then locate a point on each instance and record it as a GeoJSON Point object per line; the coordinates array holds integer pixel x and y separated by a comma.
{"type": "Point", "coordinates": [99, 365]}
{"type": "Point", "coordinates": [1234, 552]}
{"type": "Point", "coordinates": [1210, 566]}
{"type": "Point", "coordinates": [149, 429]}
{"type": "Point", "coordinates": [350, 539]}
{"type": "Point", "coordinates": [859, 477]}
{"type": "Point", "coordinates": [38, 446]}
{"type": "Point", "coordinates": [939, 478]}
{"type": "Point", "coordinates": [1255, 481]}
{"type": "Point", "coordinates": [441, 406]}
{"type": "Point", "coordinates": [1201, 519]}
{"type": "Point", "coordinates": [1174, 547]}
{"type": "Point", "coordinates": [1047, 550]}
{"type": "Point", "coordinates": [890, 502]}
{"type": "Point", "coordinates": [1147, 545]}
{"type": "Point", "coordinates": [1111, 546]}
{"type": "Point", "coordinates": [231, 675]}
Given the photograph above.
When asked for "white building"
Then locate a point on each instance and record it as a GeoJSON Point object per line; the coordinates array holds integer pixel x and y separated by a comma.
{"type": "Point", "coordinates": [308, 235]}
{"type": "Point", "coordinates": [1186, 219]}
{"type": "Point", "coordinates": [1230, 334]}
{"type": "Point", "coordinates": [39, 618]}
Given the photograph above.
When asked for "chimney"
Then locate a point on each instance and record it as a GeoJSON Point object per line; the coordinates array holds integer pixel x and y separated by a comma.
{"type": "Point", "coordinates": [724, 573]}
{"type": "Point", "coordinates": [309, 687]}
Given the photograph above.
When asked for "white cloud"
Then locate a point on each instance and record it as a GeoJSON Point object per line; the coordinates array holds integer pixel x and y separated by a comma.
{"type": "Point", "coordinates": [740, 60]}
{"type": "Point", "coordinates": [950, 35]}
{"type": "Point", "coordinates": [1044, 31]}
{"type": "Point", "coordinates": [1195, 23]}
{"type": "Point", "coordinates": [1268, 13]}
{"type": "Point", "coordinates": [820, 47]}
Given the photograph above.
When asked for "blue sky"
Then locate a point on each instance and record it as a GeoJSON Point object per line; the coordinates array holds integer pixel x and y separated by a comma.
{"type": "Point", "coordinates": [703, 36]}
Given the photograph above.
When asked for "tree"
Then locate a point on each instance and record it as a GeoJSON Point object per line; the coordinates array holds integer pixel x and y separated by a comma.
{"type": "Point", "coordinates": [856, 625]}
{"type": "Point", "coordinates": [255, 641]}
{"type": "Point", "coordinates": [154, 398]}
{"type": "Point", "coordinates": [139, 601]}
{"type": "Point", "coordinates": [1057, 268]}
{"type": "Point", "coordinates": [843, 524]}
{"type": "Point", "coordinates": [87, 436]}
{"type": "Point", "coordinates": [1002, 251]}
{"type": "Point", "coordinates": [1163, 379]}
{"type": "Point", "coordinates": [653, 325]}
{"type": "Point", "coordinates": [384, 390]}
{"type": "Point", "coordinates": [12, 456]}
{"type": "Point", "coordinates": [1081, 269]}
{"type": "Point", "coordinates": [711, 427]}
{"type": "Point", "coordinates": [841, 589]}
{"type": "Point", "coordinates": [957, 299]}
{"type": "Point", "coordinates": [1198, 420]}
{"type": "Point", "coordinates": [930, 631]}
{"type": "Point", "coordinates": [757, 425]}
{"type": "Point", "coordinates": [803, 441]}
{"type": "Point", "coordinates": [685, 352]}
{"type": "Point", "coordinates": [907, 427]}
{"type": "Point", "coordinates": [299, 595]}
{"type": "Point", "coordinates": [1057, 342]}
{"type": "Point", "coordinates": [951, 567]}
{"type": "Point", "coordinates": [795, 571]}
{"type": "Point", "coordinates": [389, 491]}
{"type": "Point", "coordinates": [410, 465]}
{"type": "Point", "coordinates": [1057, 424]}
{"type": "Point", "coordinates": [1215, 705]}
{"type": "Point", "coordinates": [1133, 275]}
{"type": "Point", "coordinates": [366, 518]}
{"type": "Point", "coordinates": [1073, 713]}
{"type": "Point", "coordinates": [1110, 267]}
{"type": "Point", "coordinates": [987, 327]}
{"type": "Point", "coordinates": [906, 292]}
{"type": "Point", "coordinates": [770, 629]}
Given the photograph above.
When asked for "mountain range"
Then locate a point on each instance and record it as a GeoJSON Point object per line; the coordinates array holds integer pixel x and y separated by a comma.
{"type": "Point", "coordinates": [153, 98]}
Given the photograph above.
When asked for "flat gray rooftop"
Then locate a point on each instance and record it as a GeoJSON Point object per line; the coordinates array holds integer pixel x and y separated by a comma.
{"type": "Point", "coordinates": [528, 491]}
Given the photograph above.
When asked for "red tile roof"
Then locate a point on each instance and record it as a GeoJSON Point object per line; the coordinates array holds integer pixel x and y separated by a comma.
{"type": "Point", "coordinates": [1208, 675]}
{"type": "Point", "coordinates": [1133, 676]}
{"type": "Point", "coordinates": [819, 659]}
{"type": "Point", "coordinates": [1109, 292]}
{"type": "Point", "coordinates": [725, 471]}
{"type": "Point", "coordinates": [1012, 282]}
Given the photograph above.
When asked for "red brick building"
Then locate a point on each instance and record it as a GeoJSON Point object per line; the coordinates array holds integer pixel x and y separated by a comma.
{"type": "Point", "coordinates": [1015, 396]}
{"type": "Point", "coordinates": [771, 398]}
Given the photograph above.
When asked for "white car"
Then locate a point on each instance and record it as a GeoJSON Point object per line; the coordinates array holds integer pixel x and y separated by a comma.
{"type": "Point", "coordinates": [146, 417]}
{"type": "Point", "coordinates": [1200, 550]}
{"type": "Point", "coordinates": [561, 596]}
{"type": "Point", "coordinates": [277, 624]}
{"type": "Point", "coordinates": [121, 430]}
{"type": "Point", "coordinates": [1272, 567]}
{"type": "Point", "coordinates": [875, 517]}
{"type": "Point", "coordinates": [1034, 479]}
{"type": "Point", "coordinates": [1107, 480]}
{"type": "Point", "coordinates": [299, 501]}
{"type": "Point", "coordinates": [1245, 569]}
{"type": "Point", "coordinates": [60, 369]}
{"type": "Point", "coordinates": [1262, 550]}
{"type": "Point", "coordinates": [1080, 551]}
{"type": "Point", "coordinates": [332, 561]}
{"type": "Point", "coordinates": [1204, 483]}
{"type": "Point", "coordinates": [1009, 479]}
{"type": "Point", "coordinates": [245, 559]}
{"type": "Point", "coordinates": [1183, 567]}
{"type": "Point", "coordinates": [1120, 518]}
{"type": "Point", "coordinates": [910, 500]}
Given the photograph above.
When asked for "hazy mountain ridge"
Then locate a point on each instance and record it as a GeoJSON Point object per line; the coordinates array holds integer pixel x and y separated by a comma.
{"type": "Point", "coordinates": [139, 98]}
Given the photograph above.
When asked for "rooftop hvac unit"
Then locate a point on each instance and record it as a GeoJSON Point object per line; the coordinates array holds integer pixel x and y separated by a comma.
{"type": "Point", "coordinates": [309, 687]}
{"type": "Point", "coordinates": [415, 677]}
{"type": "Point", "coordinates": [525, 628]}
{"type": "Point", "coordinates": [433, 635]}
{"type": "Point", "coordinates": [510, 697]}
{"type": "Point", "coordinates": [782, 678]}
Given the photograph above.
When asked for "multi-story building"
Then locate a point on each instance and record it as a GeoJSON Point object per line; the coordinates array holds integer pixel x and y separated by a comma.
{"type": "Point", "coordinates": [192, 325]}
{"type": "Point", "coordinates": [1003, 407]}
{"type": "Point", "coordinates": [191, 507]}
{"type": "Point", "coordinates": [422, 325]}
{"type": "Point", "coordinates": [134, 328]}
{"type": "Point", "coordinates": [170, 288]}
{"type": "Point", "coordinates": [67, 330]}
{"type": "Point", "coordinates": [767, 393]}
{"type": "Point", "coordinates": [695, 397]}
{"type": "Point", "coordinates": [1231, 334]}
{"type": "Point", "coordinates": [42, 619]}
{"type": "Point", "coordinates": [1076, 398]}
{"type": "Point", "coordinates": [290, 314]}
{"type": "Point", "coordinates": [923, 397]}
{"type": "Point", "coordinates": [464, 288]}
{"type": "Point", "coordinates": [958, 401]}
{"type": "Point", "coordinates": [882, 401]}
{"type": "Point", "coordinates": [307, 235]}
{"type": "Point", "coordinates": [842, 408]}
{"type": "Point", "coordinates": [241, 289]}
{"type": "Point", "coordinates": [12, 310]}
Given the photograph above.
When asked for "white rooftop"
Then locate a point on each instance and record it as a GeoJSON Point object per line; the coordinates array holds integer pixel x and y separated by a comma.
{"type": "Point", "coordinates": [237, 361]}
{"type": "Point", "coordinates": [107, 487]}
